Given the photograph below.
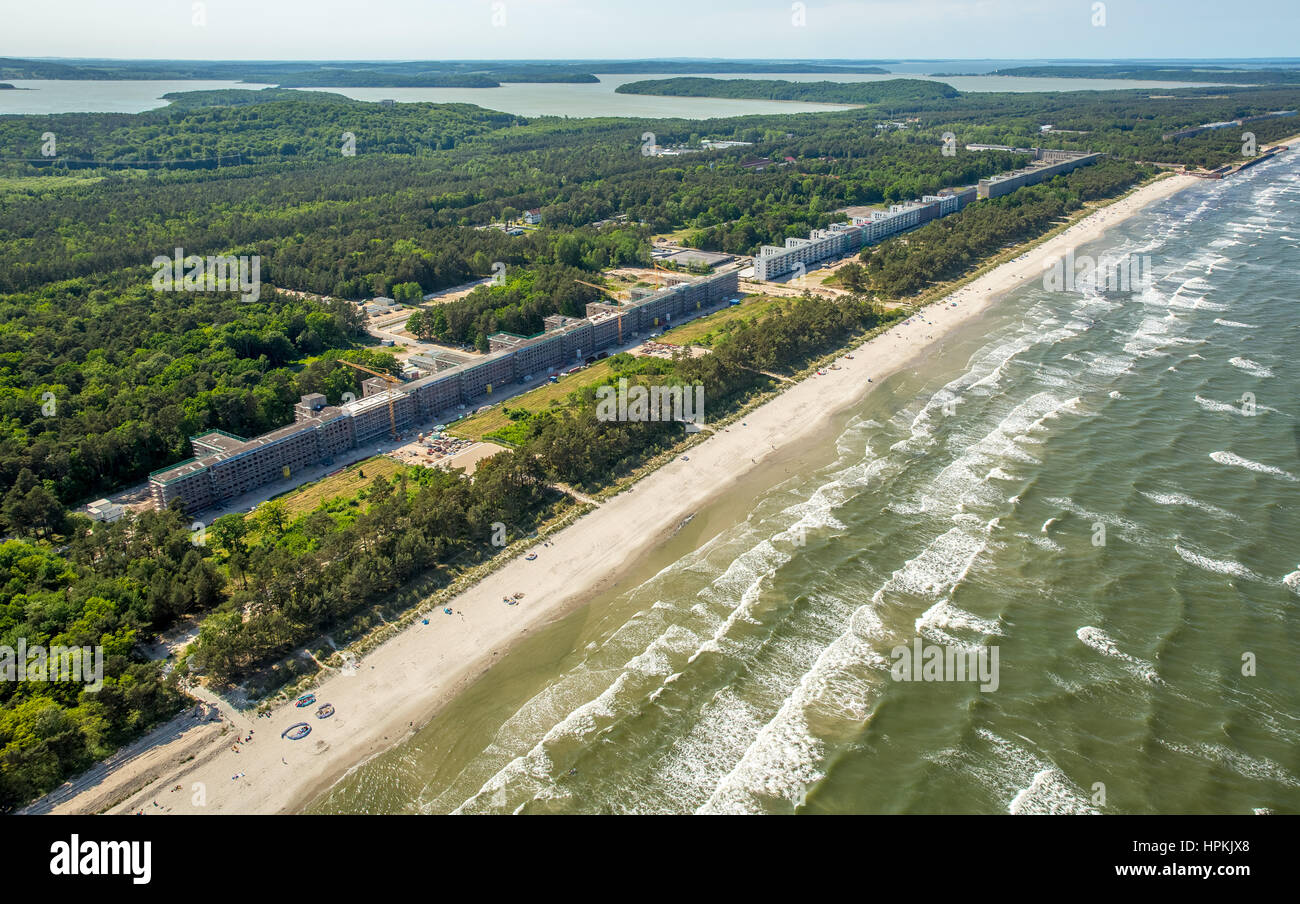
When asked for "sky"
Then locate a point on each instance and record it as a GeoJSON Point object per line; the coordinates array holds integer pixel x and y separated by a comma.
{"type": "Point", "coordinates": [639, 29]}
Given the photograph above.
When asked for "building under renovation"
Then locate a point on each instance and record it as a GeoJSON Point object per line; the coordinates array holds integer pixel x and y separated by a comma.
{"type": "Point", "coordinates": [225, 466]}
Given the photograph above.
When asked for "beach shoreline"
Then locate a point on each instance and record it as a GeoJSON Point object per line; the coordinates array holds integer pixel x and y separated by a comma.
{"type": "Point", "coordinates": [397, 687]}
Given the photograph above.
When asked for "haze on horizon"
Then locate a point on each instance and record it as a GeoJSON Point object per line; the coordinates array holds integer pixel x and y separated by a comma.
{"type": "Point", "coordinates": [624, 29]}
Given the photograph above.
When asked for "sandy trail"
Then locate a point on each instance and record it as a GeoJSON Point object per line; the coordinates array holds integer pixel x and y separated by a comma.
{"type": "Point", "coordinates": [398, 686]}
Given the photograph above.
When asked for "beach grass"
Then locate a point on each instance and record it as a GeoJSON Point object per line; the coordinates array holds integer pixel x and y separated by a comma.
{"type": "Point", "coordinates": [347, 483]}
{"type": "Point", "coordinates": [535, 400]}
{"type": "Point", "coordinates": [702, 330]}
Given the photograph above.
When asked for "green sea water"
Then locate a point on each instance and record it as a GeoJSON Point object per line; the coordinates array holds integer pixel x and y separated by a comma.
{"type": "Point", "coordinates": [1102, 486]}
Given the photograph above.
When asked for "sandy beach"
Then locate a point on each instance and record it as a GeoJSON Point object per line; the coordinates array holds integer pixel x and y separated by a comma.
{"type": "Point", "coordinates": [398, 686]}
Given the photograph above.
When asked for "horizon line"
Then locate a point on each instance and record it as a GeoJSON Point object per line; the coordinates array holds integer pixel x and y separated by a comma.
{"type": "Point", "coordinates": [640, 59]}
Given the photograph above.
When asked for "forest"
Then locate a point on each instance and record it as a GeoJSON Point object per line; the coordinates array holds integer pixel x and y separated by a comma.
{"type": "Point", "coordinates": [390, 74]}
{"type": "Point", "coordinates": [272, 71]}
{"type": "Point", "coordinates": [1198, 73]}
{"type": "Point", "coordinates": [892, 91]}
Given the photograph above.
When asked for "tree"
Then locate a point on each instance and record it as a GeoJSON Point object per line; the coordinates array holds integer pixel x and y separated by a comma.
{"type": "Point", "coordinates": [853, 277]}
{"type": "Point", "coordinates": [229, 533]}
{"type": "Point", "coordinates": [31, 508]}
{"type": "Point", "coordinates": [271, 519]}
{"type": "Point", "coordinates": [408, 293]}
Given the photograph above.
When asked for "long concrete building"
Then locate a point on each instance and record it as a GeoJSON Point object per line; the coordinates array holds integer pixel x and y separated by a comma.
{"type": "Point", "coordinates": [225, 466]}
{"type": "Point", "coordinates": [1048, 165]}
{"type": "Point", "coordinates": [844, 238]}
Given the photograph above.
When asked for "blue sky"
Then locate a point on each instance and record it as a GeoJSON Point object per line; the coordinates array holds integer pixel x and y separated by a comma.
{"type": "Point", "coordinates": [617, 29]}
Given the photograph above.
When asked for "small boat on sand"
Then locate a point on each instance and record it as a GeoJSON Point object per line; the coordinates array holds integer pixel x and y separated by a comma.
{"type": "Point", "coordinates": [305, 700]}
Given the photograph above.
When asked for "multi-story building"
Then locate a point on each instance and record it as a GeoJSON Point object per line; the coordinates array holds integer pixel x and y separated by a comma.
{"type": "Point", "coordinates": [844, 238]}
{"type": "Point", "coordinates": [1050, 165]}
{"type": "Point", "coordinates": [226, 466]}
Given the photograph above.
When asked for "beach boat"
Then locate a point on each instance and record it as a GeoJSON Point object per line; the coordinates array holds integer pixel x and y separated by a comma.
{"type": "Point", "coordinates": [531, 556]}
{"type": "Point", "coordinates": [325, 711]}
{"type": "Point", "coordinates": [297, 731]}
{"type": "Point", "coordinates": [305, 700]}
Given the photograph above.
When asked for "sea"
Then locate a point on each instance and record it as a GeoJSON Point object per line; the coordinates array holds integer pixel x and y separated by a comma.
{"type": "Point", "coordinates": [535, 99]}
{"type": "Point", "coordinates": [1095, 493]}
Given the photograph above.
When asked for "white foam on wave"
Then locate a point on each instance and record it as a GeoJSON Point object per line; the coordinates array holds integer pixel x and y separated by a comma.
{"type": "Point", "coordinates": [985, 373]}
{"type": "Point", "coordinates": [1231, 407]}
{"type": "Point", "coordinates": [1292, 581]}
{"type": "Point", "coordinates": [1026, 782]}
{"type": "Point", "coordinates": [1150, 337]}
{"type": "Point", "coordinates": [1103, 643]}
{"type": "Point", "coordinates": [1051, 793]}
{"type": "Point", "coordinates": [784, 760]}
{"type": "Point", "coordinates": [944, 616]}
{"type": "Point", "coordinates": [1043, 542]}
{"type": "Point", "coordinates": [531, 773]}
{"type": "Point", "coordinates": [1109, 365]}
{"type": "Point", "coordinates": [749, 598]}
{"type": "Point", "coordinates": [1194, 303]}
{"type": "Point", "coordinates": [1253, 368]}
{"type": "Point", "coordinates": [965, 481]}
{"type": "Point", "coordinates": [937, 568]}
{"type": "Point", "coordinates": [816, 513]}
{"type": "Point", "coordinates": [1218, 566]}
{"type": "Point", "coordinates": [1132, 528]}
{"type": "Point", "coordinates": [1236, 323]}
{"type": "Point", "coordinates": [1259, 768]}
{"type": "Point", "coordinates": [1180, 499]}
{"type": "Point", "coordinates": [1236, 461]}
